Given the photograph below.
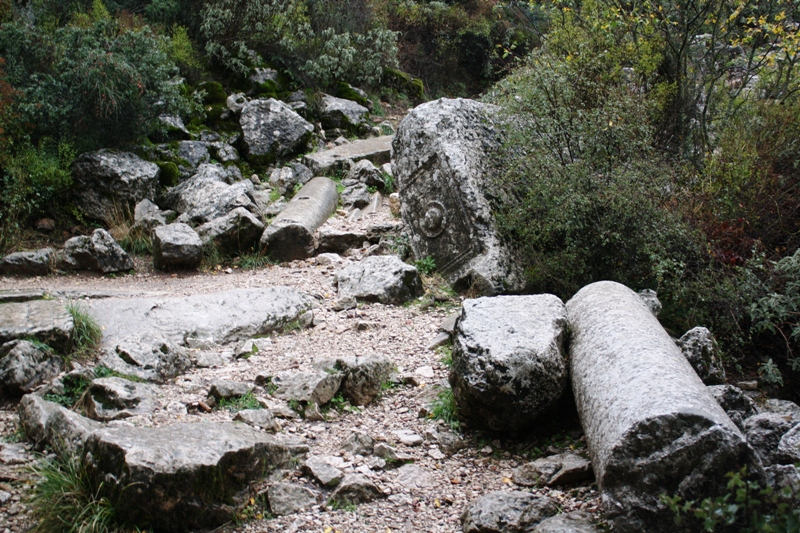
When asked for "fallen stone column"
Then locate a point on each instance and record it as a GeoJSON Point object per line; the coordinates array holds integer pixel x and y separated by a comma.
{"type": "Point", "coordinates": [651, 426]}
{"type": "Point", "coordinates": [291, 235]}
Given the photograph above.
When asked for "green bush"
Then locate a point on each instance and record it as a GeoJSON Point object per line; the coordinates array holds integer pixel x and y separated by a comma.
{"type": "Point", "coordinates": [586, 195]}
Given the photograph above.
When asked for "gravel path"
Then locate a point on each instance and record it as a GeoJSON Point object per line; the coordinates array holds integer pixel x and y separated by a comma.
{"type": "Point", "coordinates": [427, 495]}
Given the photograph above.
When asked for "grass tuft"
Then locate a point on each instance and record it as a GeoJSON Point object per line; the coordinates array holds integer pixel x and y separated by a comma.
{"type": "Point", "coordinates": [64, 500]}
{"type": "Point", "coordinates": [86, 334]}
{"type": "Point", "coordinates": [239, 403]}
{"type": "Point", "coordinates": [444, 408]}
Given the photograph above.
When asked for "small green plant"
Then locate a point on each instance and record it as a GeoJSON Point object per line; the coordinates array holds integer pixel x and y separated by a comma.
{"type": "Point", "coordinates": [86, 334]}
{"type": "Point", "coordinates": [65, 499]}
{"type": "Point", "coordinates": [770, 373]}
{"type": "Point", "coordinates": [342, 405]}
{"type": "Point", "coordinates": [252, 261]}
{"type": "Point", "coordinates": [294, 325]}
{"type": "Point", "coordinates": [426, 265]}
{"type": "Point", "coordinates": [747, 508]}
{"type": "Point", "coordinates": [17, 436]}
{"type": "Point", "coordinates": [388, 182]}
{"type": "Point", "coordinates": [346, 506]}
{"type": "Point", "coordinates": [444, 408]}
{"type": "Point", "coordinates": [275, 195]}
{"type": "Point", "coordinates": [446, 354]}
{"type": "Point", "coordinates": [255, 509]}
{"type": "Point", "coordinates": [74, 387]}
{"type": "Point", "coordinates": [239, 403]}
{"type": "Point", "coordinates": [105, 372]}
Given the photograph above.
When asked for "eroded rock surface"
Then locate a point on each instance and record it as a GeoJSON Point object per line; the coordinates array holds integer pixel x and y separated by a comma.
{"type": "Point", "coordinates": [384, 279]}
{"type": "Point", "coordinates": [47, 321]}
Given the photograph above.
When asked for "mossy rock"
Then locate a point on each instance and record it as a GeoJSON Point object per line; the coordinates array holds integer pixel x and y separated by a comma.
{"type": "Point", "coordinates": [268, 89]}
{"type": "Point", "coordinates": [170, 175]}
{"type": "Point", "coordinates": [405, 83]}
{"type": "Point", "coordinates": [215, 93]}
{"type": "Point", "coordinates": [346, 91]}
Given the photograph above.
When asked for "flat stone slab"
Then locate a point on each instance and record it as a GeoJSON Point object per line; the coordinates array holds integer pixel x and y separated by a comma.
{"type": "Point", "coordinates": [21, 295]}
{"type": "Point", "coordinates": [138, 331]}
{"type": "Point", "coordinates": [47, 321]}
{"type": "Point", "coordinates": [324, 163]}
{"type": "Point", "coordinates": [184, 476]}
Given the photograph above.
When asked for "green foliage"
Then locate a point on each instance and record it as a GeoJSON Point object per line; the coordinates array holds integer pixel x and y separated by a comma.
{"type": "Point", "coordinates": [252, 261]}
{"type": "Point", "coordinates": [182, 52]}
{"type": "Point", "coordinates": [86, 334]}
{"type": "Point", "coordinates": [747, 508]}
{"type": "Point", "coordinates": [102, 83]}
{"type": "Point", "coordinates": [446, 354]}
{"type": "Point", "coordinates": [444, 408]}
{"type": "Point", "coordinates": [32, 180]}
{"type": "Point", "coordinates": [239, 403]}
{"type": "Point", "coordinates": [170, 174]}
{"type": "Point", "coordinates": [426, 265]}
{"type": "Point", "coordinates": [65, 500]}
{"type": "Point", "coordinates": [284, 32]}
{"type": "Point", "coordinates": [340, 403]}
{"type": "Point", "coordinates": [585, 194]}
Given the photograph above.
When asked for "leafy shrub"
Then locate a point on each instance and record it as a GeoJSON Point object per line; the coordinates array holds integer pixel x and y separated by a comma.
{"type": "Point", "coordinates": [587, 195]}
{"type": "Point", "coordinates": [746, 508]}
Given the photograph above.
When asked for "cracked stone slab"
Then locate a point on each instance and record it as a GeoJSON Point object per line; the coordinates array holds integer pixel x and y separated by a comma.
{"type": "Point", "coordinates": [47, 321]}
{"type": "Point", "coordinates": [149, 337]}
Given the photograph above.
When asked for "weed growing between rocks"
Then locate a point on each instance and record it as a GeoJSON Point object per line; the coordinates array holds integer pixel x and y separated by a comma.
{"type": "Point", "coordinates": [64, 500]}
{"type": "Point", "coordinates": [426, 265]}
{"type": "Point", "coordinates": [239, 403]}
{"type": "Point", "coordinates": [86, 334]}
{"type": "Point", "coordinates": [444, 408]}
{"type": "Point", "coordinates": [747, 508]}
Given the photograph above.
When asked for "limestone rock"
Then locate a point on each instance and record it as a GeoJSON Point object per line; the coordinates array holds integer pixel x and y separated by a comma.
{"type": "Point", "coordinates": [287, 178]}
{"type": "Point", "coordinates": [170, 323]}
{"type": "Point", "coordinates": [290, 498]}
{"type": "Point", "coordinates": [783, 477]}
{"type": "Point", "coordinates": [327, 162]}
{"type": "Point", "coordinates": [574, 522]}
{"type": "Point", "coordinates": [355, 195]}
{"type": "Point", "coordinates": [736, 404]}
{"type": "Point", "coordinates": [187, 476]}
{"type": "Point", "coordinates": [107, 181]}
{"type": "Point", "coordinates": [700, 349]}
{"type": "Point", "coordinates": [34, 263]}
{"type": "Point", "coordinates": [341, 113]}
{"type": "Point", "coordinates": [651, 300]}
{"type": "Point", "coordinates": [310, 387]}
{"type": "Point", "coordinates": [174, 127]}
{"type": "Point", "coordinates": [338, 242]}
{"type": "Point", "coordinates": [384, 279]}
{"type": "Point", "coordinates": [236, 102]}
{"type": "Point", "coordinates": [508, 361]}
{"type": "Point", "coordinates": [651, 424]}
{"type": "Point", "coordinates": [195, 153]}
{"type": "Point", "coordinates": [24, 366]}
{"type": "Point", "coordinates": [272, 129]}
{"type": "Point", "coordinates": [290, 235]}
{"type": "Point", "coordinates": [260, 418]}
{"type": "Point", "coordinates": [789, 447]}
{"type": "Point", "coordinates": [323, 469]}
{"type": "Point", "coordinates": [205, 197]}
{"type": "Point", "coordinates": [366, 172]}
{"type": "Point", "coordinates": [358, 443]}
{"type": "Point", "coordinates": [506, 512]}
{"type": "Point", "coordinates": [560, 469]}
{"type": "Point", "coordinates": [49, 423]}
{"type": "Point", "coordinates": [355, 488]}
{"type": "Point", "coordinates": [781, 407]}
{"type": "Point", "coordinates": [98, 252]}
{"type": "Point", "coordinates": [444, 162]}
{"type": "Point", "coordinates": [764, 433]}
{"type": "Point", "coordinates": [222, 389]}
{"type": "Point", "coordinates": [114, 398]}
{"type": "Point", "coordinates": [148, 216]}
{"type": "Point", "coordinates": [47, 321]}
{"type": "Point", "coordinates": [236, 232]}
{"type": "Point", "coordinates": [176, 246]}
{"type": "Point", "coordinates": [364, 377]}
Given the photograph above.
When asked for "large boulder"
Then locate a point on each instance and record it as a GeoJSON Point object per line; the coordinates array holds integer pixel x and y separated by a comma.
{"type": "Point", "coordinates": [287, 178]}
{"type": "Point", "coordinates": [651, 425]}
{"type": "Point", "coordinates": [25, 365]}
{"type": "Point", "coordinates": [34, 263]}
{"type": "Point", "coordinates": [385, 279]}
{"type": "Point", "coordinates": [236, 232]}
{"type": "Point", "coordinates": [789, 447]}
{"type": "Point", "coordinates": [290, 235]}
{"type": "Point", "coordinates": [184, 476]}
{"type": "Point", "coordinates": [736, 404]}
{"type": "Point", "coordinates": [367, 173]}
{"type": "Point", "coordinates": [340, 113]}
{"type": "Point", "coordinates": [307, 387]}
{"type": "Point", "coordinates": [47, 423]}
{"type": "Point", "coordinates": [107, 181]}
{"type": "Point", "coordinates": [176, 246]}
{"type": "Point", "coordinates": [444, 162]}
{"type": "Point", "coordinates": [271, 129]}
{"type": "Point", "coordinates": [98, 252]}
{"type": "Point", "coordinates": [148, 216]}
{"type": "Point", "coordinates": [363, 376]}
{"type": "Point", "coordinates": [47, 321]}
{"type": "Point", "coordinates": [764, 433]}
{"type": "Point", "coordinates": [206, 196]}
{"type": "Point", "coordinates": [509, 365]}
{"type": "Point", "coordinates": [114, 398]}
